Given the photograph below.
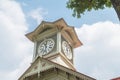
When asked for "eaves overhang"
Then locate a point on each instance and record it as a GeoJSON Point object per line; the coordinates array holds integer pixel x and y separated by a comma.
{"type": "Point", "coordinates": [59, 24]}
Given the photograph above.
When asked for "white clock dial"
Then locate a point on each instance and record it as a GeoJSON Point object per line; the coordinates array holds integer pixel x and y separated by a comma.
{"type": "Point", "coordinates": [46, 46]}
{"type": "Point", "coordinates": [67, 49]}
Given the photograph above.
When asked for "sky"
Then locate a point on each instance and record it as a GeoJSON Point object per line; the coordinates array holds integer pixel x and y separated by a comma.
{"type": "Point", "coordinates": [99, 31]}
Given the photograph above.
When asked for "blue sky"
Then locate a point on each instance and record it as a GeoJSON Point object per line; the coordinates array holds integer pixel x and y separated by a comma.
{"type": "Point", "coordinates": [54, 10]}
{"type": "Point", "coordinates": [99, 31]}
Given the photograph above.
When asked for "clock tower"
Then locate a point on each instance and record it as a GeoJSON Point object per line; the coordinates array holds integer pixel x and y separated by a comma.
{"type": "Point", "coordinates": [55, 41]}
{"type": "Point", "coordinates": [53, 49]}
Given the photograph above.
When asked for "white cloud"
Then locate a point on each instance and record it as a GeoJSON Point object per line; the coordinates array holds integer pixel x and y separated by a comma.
{"type": "Point", "coordinates": [99, 56]}
{"type": "Point", "coordinates": [37, 14]}
{"type": "Point", "coordinates": [24, 4]}
{"type": "Point", "coordinates": [15, 49]}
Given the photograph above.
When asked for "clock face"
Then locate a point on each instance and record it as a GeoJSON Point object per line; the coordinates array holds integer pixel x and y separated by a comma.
{"type": "Point", "coordinates": [67, 50]}
{"type": "Point", "coordinates": [46, 46]}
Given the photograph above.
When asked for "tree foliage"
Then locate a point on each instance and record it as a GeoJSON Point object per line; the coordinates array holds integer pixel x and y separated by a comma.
{"type": "Point", "coordinates": [80, 6]}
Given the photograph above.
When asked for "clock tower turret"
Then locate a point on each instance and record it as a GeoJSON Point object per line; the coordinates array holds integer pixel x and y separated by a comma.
{"type": "Point", "coordinates": [55, 41]}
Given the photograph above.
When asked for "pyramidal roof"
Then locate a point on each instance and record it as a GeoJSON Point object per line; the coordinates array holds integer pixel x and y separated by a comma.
{"type": "Point", "coordinates": [59, 24]}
